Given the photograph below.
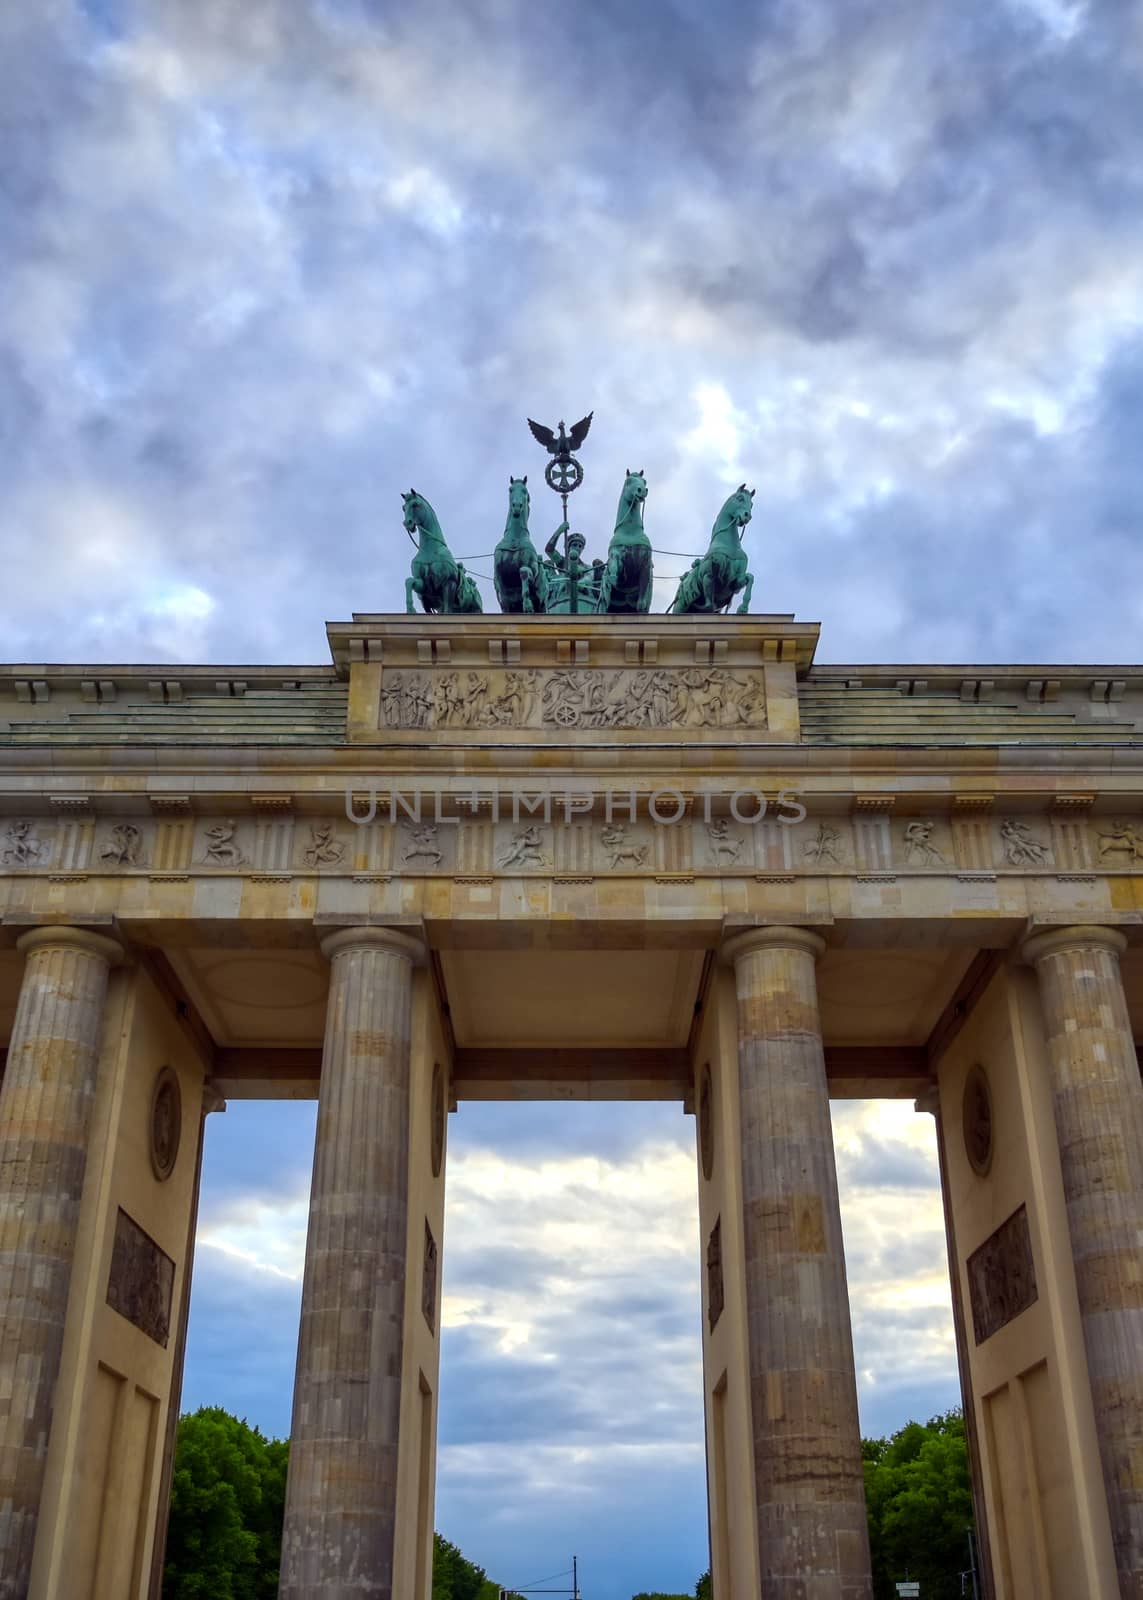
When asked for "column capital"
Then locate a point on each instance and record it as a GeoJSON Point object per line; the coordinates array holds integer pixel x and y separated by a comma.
{"type": "Point", "coordinates": [1051, 941]}
{"type": "Point", "coordinates": [750, 940]}
{"type": "Point", "coordinates": [367, 937]}
{"type": "Point", "coordinates": [64, 936]}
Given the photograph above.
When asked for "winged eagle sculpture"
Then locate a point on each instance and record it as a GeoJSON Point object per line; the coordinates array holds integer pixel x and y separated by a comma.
{"type": "Point", "coordinates": [565, 443]}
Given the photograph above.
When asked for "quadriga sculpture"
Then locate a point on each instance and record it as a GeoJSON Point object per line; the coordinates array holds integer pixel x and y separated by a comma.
{"type": "Point", "coordinates": [627, 577]}
{"type": "Point", "coordinates": [519, 574]}
{"type": "Point", "coordinates": [437, 578]}
{"type": "Point", "coordinates": [712, 582]}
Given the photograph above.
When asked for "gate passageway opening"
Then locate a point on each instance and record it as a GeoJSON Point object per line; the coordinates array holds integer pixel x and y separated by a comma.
{"type": "Point", "coordinates": [571, 1409]}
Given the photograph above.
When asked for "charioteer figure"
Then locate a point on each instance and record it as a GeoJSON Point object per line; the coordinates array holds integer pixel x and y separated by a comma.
{"type": "Point", "coordinates": [573, 585]}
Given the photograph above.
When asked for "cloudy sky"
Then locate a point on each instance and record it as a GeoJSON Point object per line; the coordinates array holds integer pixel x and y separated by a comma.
{"type": "Point", "coordinates": [266, 263]}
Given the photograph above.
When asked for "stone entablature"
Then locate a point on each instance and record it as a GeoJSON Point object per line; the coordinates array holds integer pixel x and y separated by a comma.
{"type": "Point", "coordinates": [533, 829]}
{"type": "Point", "coordinates": [573, 681]}
{"type": "Point", "coordinates": [568, 683]}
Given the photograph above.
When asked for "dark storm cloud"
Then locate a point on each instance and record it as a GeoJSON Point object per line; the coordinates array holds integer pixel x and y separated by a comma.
{"type": "Point", "coordinates": [885, 1164]}
{"type": "Point", "coordinates": [586, 1128]}
{"type": "Point", "coordinates": [269, 264]}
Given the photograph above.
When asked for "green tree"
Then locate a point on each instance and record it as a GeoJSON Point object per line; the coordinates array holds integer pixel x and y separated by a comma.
{"type": "Point", "coordinates": [228, 1499]}
{"type": "Point", "coordinates": [919, 1500]}
{"type": "Point", "coordinates": [228, 1489]}
{"type": "Point", "coordinates": [703, 1588]}
{"type": "Point", "coordinates": [457, 1578]}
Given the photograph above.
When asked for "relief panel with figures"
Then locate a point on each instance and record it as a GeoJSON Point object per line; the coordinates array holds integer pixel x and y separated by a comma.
{"type": "Point", "coordinates": [571, 698]}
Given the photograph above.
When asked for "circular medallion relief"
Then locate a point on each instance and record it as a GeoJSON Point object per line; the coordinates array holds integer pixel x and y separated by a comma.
{"type": "Point", "coordinates": [706, 1123]}
{"type": "Point", "coordinates": [166, 1123]}
{"type": "Point", "coordinates": [977, 1113]}
{"type": "Point", "coordinates": [437, 1119]}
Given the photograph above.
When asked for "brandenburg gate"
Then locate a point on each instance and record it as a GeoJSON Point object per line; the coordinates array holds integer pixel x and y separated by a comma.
{"type": "Point", "coordinates": [390, 881]}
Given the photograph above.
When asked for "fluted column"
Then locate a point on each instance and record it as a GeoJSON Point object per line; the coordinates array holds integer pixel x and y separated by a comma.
{"type": "Point", "coordinates": [342, 1486]}
{"type": "Point", "coordinates": [1098, 1102]}
{"type": "Point", "coordinates": [809, 1490]}
{"type": "Point", "coordinates": [45, 1107]}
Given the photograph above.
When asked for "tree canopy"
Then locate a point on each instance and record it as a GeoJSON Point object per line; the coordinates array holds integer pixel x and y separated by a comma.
{"type": "Point", "coordinates": [456, 1578]}
{"type": "Point", "coordinates": [919, 1499]}
{"type": "Point", "coordinates": [228, 1495]}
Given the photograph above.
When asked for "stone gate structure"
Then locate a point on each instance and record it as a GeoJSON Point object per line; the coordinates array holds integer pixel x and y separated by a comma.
{"type": "Point", "coordinates": [390, 882]}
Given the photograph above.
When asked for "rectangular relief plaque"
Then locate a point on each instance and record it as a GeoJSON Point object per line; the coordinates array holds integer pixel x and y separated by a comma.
{"type": "Point", "coordinates": [429, 1280]}
{"type": "Point", "coordinates": [567, 699]}
{"type": "Point", "coordinates": [142, 1280]}
{"type": "Point", "coordinates": [1002, 1276]}
{"type": "Point", "coordinates": [715, 1292]}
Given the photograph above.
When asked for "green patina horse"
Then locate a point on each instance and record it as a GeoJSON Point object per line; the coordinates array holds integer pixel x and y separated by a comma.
{"type": "Point", "coordinates": [437, 577]}
{"type": "Point", "coordinates": [627, 577]}
{"type": "Point", "coordinates": [712, 583]}
{"type": "Point", "coordinates": [517, 571]}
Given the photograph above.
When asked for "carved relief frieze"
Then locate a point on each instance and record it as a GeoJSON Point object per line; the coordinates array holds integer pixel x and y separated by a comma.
{"type": "Point", "coordinates": [726, 845]}
{"type": "Point", "coordinates": [525, 847]}
{"type": "Point", "coordinates": [624, 846]}
{"type": "Point", "coordinates": [141, 1281]}
{"type": "Point", "coordinates": [573, 698]}
{"type": "Point", "coordinates": [323, 847]}
{"type": "Point", "coordinates": [923, 844]}
{"type": "Point", "coordinates": [715, 1286]}
{"type": "Point", "coordinates": [23, 846]}
{"type": "Point", "coordinates": [426, 847]}
{"type": "Point", "coordinates": [429, 1280]}
{"type": "Point", "coordinates": [1002, 1276]}
{"type": "Point", "coordinates": [825, 846]}
{"type": "Point", "coordinates": [1120, 844]}
{"type": "Point", "coordinates": [559, 835]}
{"type": "Point", "coordinates": [221, 846]}
{"type": "Point", "coordinates": [123, 846]}
{"type": "Point", "coordinates": [1021, 845]}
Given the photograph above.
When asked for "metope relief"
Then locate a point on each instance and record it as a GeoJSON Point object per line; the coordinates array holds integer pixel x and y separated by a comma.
{"type": "Point", "coordinates": [724, 844]}
{"type": "Point", "coordinates": [1120, 844]}
{"type": "Point", "coordinates": [526, 847]}
{"type": "Point", "coordinates": [22, 847]}
{"type": "Point", "coordinates": [221, 847]}
{"type": "Point", "coordinates": [622, 846]}
{"type": "Point", "coordinates": [669, 833]}
{"type": "Point", "coordinates": [426, 846]}
{"type": "Point", "coordinates": [1021, 846]}
{"type": "Point", "coordinates": [123, 846]}
{"type": "Point", "coordinates": [825, 847]}
{"type": "Point", "coordinates": [323, 849]}
{"type": "Point", "coordinates": [574, 698]}
{"type": "Point", "coordinates": [921, 848]}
